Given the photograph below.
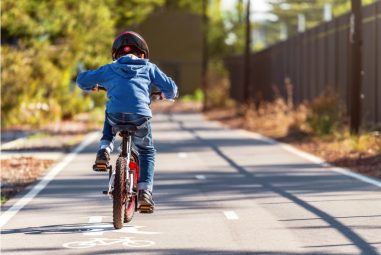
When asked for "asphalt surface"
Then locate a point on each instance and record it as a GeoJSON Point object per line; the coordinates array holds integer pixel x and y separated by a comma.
{"type": "Point", "coordinates": [217, 190]}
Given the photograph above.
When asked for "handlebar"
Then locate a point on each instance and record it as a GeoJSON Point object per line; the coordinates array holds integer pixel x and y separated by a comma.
{"type": "Point", "coordinates": [156, 95]}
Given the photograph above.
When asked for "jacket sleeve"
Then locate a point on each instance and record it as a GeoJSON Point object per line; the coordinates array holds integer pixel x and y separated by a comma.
{"type": "Point", "coordinates": [163, 82]}
{"type": "Point", "coordinates": [88, 79]}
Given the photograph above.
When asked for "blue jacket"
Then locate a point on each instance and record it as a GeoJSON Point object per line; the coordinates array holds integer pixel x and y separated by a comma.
{"type": "Point", "coordinates": [128, 82]}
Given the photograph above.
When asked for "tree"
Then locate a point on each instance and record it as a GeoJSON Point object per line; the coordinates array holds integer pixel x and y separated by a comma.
{"type": "Point", "coordinates": [43, 42]}
{"type": "Point", "coordinates": [287, 11]}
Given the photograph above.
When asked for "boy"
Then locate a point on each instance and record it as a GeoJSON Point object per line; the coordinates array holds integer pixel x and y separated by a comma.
{"type": "Point", "coordinates": [128, 81]}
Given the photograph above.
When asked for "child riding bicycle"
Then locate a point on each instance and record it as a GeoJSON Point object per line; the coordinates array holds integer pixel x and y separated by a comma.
{"type": "Point", "coordinates": [128, 81]}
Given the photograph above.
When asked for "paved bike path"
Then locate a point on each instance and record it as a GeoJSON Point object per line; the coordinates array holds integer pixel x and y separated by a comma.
{"type": "Point", "coordinates": [218, 191]}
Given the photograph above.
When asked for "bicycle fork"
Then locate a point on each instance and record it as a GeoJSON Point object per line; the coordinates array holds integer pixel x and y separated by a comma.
{"type": "Point", "coordinates": [125, 153]}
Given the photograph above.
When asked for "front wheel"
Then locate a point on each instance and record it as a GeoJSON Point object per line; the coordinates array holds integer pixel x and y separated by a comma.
{"type": "Point", "coordinates": [130, 209]}
{"type": "Point", "coordinates": [119, 193]}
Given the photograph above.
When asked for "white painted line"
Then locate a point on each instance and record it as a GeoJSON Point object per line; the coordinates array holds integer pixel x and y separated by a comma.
{"type": "Point", "coordinates": [7, 215]}
{"type": "Point", "coordinates": [200, 177]}
{"type": "Point", "coordinates": [100, 228]}
{"type": "Point", "coordinates": [231, 215]}
{"type": "Point", "coordinates": [12, 144]}
{"type": "Point", "coordinates": [315, 159]}
{"type": "Point", "coordinates": [340, 170]}
{"type": "Point", "coordinates": [94, 230]}
{"type": "Point", "coordinates": [360, 177]}
{"type": "Point", "coordinates": [95, 219]}
{"type": "Point", "coordinates": [182, 155]}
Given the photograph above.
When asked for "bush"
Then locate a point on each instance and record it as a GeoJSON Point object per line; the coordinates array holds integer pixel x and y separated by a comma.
{"type": "Point", "coordinates": [197, 96]}
{"type": "Point", "coordinates": [325, 113]}
{"type": "Point", "coordinates": [218, 93]}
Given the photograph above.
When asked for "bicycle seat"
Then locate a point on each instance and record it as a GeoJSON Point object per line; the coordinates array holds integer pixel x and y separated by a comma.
{"type": "Point", "coordinates": [124, 128]}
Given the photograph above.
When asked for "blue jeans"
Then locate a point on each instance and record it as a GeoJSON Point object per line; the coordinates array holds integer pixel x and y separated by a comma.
{"type": "Point", "coordinates": [142, 140]}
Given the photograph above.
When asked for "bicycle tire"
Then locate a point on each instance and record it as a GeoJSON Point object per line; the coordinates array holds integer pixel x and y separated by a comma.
{"type": "Point", "coordinates": [119, 193]}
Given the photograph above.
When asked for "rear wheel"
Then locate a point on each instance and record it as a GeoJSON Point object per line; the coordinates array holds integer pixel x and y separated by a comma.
{"type": "Point", "coordinates": [119, 193]}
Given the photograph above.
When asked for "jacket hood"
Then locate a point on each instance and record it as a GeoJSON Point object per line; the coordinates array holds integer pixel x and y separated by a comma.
{"type": "Point", "coordinates": [129, 66]}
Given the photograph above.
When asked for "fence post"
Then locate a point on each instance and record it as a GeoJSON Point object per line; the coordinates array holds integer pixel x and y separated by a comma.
{"type": "Point", "coordinates": [246, 84]}
{"type": "Point", "coordinates": [356, 65]}
{"type": "Point", "coordinates": [205, 54]}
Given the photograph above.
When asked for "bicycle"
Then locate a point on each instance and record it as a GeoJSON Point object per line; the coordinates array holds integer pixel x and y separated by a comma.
{"type": "Point", "coordinates": [123, 180]}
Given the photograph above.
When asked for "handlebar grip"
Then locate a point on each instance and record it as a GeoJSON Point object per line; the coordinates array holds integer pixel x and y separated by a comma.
{"type": "Point", "coordinates": [157, 95]}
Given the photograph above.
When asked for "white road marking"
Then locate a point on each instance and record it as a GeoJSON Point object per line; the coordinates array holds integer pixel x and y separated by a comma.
{"type": "Point", "coordinates": [357, 176]}
{"type": "Point", "coordinates": [126, 241]}
{"type": "Point", "coordinates": [94, 231]}
{"type": "Point", "coordinates": [135, 230]}
{"type": "Point", "coordinates": [7, 215]}
{"type": "Point", "coordinates": [99, 228]}
{"type": "Point", "coordinates": [200, 177]}
{"type": "Point", "coordinates": [182, 155]}
{"type": "Point", "coordinates": [12, 144]}
{"type": "Point", "coordinates": [231, 215]}
{"type": "Point", "coordinates": [95, 219]}
{"type": "Point", "coordinates": [315, 159]}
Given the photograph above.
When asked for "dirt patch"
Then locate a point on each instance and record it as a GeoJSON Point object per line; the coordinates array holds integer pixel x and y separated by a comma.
{"type": "Point", "coordinates": [337, 151]}
{"type": "Point", "coordinates": [19, 172]}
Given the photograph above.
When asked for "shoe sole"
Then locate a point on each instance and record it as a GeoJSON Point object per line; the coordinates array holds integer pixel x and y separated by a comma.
{"type": "Point", "coordinates": [100, 167]}
{"type": "Point", "coordinates": [146, 207]}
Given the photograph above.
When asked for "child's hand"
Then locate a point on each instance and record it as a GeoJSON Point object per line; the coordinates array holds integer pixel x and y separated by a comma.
{"type": "Point", "coordinates": [96, 88]}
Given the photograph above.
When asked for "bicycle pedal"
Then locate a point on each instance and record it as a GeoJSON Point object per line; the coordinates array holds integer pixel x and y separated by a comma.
{"type": "Point", "coordinates": [100, 167]}
{"type": "Point", "coordinates": [146, 209]}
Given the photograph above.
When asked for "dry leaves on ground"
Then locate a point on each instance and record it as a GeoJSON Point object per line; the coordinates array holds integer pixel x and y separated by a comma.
{"type": "Point", "coordinates": [18, 172]}
{"type": "Point", "coordinates": [335, 151]}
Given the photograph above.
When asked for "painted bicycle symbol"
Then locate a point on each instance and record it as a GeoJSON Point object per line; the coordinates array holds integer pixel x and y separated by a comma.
{"type": "Point", "coordinates": [126, 241]}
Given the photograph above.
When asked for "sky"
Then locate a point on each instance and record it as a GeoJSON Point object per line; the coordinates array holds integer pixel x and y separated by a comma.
{"type": "Point", "coordinates": [258, 8]}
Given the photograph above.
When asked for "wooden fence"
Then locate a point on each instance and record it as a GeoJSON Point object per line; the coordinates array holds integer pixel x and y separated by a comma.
{"type": "Point", "coordinates": [315, 60]}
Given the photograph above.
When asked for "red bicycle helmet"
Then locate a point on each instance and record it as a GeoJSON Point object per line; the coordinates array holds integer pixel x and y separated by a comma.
{"type": "Point", "coordinates": [128, 41]}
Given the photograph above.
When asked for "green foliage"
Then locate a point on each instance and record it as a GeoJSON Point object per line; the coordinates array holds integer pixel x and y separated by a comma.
{"type": "Point", "coordinates": [189, 5]}
{"type": "Point", "coordinates": [197, 96]}
{"type": "Point", "coordinates": [38, 135]}
{"type": "Point", "coordinates": [234, 24]}
{"type": "Point", "coordinates": [3, 199]}
{"type": "Point", "coordinates": [287, 11]}
{"type": "Point", "coordinates": [42, 44]}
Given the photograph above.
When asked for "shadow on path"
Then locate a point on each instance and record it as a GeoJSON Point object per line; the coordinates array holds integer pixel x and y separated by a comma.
{"type": "Point", "coordinates": [346, 231]}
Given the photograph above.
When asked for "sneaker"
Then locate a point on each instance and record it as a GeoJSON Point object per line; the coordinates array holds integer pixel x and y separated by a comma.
{"type": "Point", "coordinates": [103, 157]}
{"type": "Point", "coordinates": [146, 203]}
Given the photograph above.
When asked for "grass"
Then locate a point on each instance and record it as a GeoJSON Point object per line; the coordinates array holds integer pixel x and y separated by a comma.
{"type": "Point", "coordinates": [367, 142]}
{"type": "Point", "coordinates": [38, 135]}
{"type": "Point", "coordinates": [197, 96]}
{"type": "Point", "coordinates": [3, 199]}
